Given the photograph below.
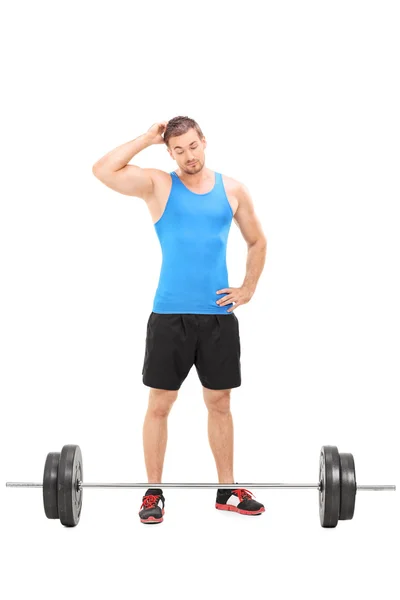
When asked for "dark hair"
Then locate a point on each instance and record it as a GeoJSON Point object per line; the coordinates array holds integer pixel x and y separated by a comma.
{"type": "Point", "coordinates": [179, 126]}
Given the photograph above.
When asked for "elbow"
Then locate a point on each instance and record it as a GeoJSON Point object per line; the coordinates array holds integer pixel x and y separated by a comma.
{"type": "Point", "coordinates": [95, 169]}
{"type": "Point", "coordinates": [98, 171]}
{"type": "Point", "coordinates": [261, 242]}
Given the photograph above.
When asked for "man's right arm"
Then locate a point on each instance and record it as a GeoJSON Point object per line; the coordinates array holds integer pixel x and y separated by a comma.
{"type": "Point", "coordinates": [113, 169]}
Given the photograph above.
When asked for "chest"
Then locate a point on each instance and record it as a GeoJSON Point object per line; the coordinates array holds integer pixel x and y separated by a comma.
{"type": "Point", "coordinates": [193, 205]}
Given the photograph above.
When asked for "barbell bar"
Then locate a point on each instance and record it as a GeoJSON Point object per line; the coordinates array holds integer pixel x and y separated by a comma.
{"type": "Point", "coordinates": [63, 484]}
{"type": "Point", "coordinates": [290, 486]}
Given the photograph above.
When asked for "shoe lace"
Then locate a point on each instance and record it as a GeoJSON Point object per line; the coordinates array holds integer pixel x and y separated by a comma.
{"type": "Point", "coordinates": [149, 501]}
{"type": "Point", "coordinates": [243, 494]}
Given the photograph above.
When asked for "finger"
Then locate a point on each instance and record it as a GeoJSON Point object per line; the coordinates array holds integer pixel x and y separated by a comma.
{"type": "Point", "coordinates": [223, 291]}
{"type": "Point", "coordinates": [226, 300]}
{"type": "Point", "coordinates": [234, 308]}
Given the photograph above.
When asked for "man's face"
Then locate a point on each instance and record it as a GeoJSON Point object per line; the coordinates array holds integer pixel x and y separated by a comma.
{"type": "Point", "coordinates": [188, 148]}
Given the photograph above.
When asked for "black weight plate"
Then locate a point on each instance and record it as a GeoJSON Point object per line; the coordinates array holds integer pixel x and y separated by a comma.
{"type": "Point", "coordinates": [70, 470]}
{"type": "Point", "coordinates": [329, 477]}
{"type": "Point", "coordinates": [50, 477]}
{"type": "Point", "coordinates": [348, 487]}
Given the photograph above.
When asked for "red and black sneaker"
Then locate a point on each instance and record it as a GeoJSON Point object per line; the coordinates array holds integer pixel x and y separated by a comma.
{"type": "Point", "coordinates": [153, 503]}
{"type": "Point", "coordinates": [238, 500]}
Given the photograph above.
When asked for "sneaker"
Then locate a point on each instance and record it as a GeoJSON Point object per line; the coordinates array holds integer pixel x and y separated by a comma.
{"type": "Point", "coordinates": [238, 500]}
{"type": "Point", "coordinates": [153, 503]}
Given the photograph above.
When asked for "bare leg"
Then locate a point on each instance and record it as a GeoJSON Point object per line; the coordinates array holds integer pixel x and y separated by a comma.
{"type": "Point", "coordinates": [155, 432]}
{"type": "Point", "coordinates": [220, 432]}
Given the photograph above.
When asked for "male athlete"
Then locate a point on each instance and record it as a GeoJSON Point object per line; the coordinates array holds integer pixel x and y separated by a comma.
{"type": "Point", "coordinates": [193, 320]}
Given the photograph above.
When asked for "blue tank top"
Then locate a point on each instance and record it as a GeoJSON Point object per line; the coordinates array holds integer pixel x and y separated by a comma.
{"type": "Point", "coordinates": [193, 232]}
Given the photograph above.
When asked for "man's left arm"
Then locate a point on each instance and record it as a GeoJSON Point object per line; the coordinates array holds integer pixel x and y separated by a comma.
{"type": "Point", "coordinates": [250, 227]}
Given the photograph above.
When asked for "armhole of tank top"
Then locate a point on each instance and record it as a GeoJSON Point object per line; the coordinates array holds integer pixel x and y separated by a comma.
{"type": "Point", "coordinates": [225, 194]}
{"type": "Point", "coordinates": [168, 199]}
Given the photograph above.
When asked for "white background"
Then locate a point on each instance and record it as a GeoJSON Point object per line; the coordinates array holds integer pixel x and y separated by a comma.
{"type": "Point", "coordinates": [300, 103]}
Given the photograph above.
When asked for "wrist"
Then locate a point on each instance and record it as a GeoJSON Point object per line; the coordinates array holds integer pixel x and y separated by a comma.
{"type": "Point", "coordinates": [147, 138]}
{"type": "Point", "coordinates": [249, 288]}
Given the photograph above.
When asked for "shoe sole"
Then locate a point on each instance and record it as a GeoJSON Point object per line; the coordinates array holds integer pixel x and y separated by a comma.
{"type": "Point", "coordinates": [152, 520]}
{"type": "Point", "coordinates": [232, 508]}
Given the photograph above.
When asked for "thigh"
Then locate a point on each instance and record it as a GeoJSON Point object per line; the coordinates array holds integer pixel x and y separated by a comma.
{"type": "Point", "coordinates": [218, 353]}
{"type": "Point", "coordinates": [169, 352]}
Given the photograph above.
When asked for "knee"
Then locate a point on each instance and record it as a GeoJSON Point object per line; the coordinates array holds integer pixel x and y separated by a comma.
{"type": "Point", "coordinates": [161, 402]}
{"type": "Point", "coordinates": [218, 401]}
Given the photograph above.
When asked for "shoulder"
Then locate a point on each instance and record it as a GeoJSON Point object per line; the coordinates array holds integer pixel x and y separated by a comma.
{"type": "Point", "coordinates": [162, 182]}
{"type": "Point", "coordinates": [158, 176]}
{"type": "Point", "coordinates": [236, 188]}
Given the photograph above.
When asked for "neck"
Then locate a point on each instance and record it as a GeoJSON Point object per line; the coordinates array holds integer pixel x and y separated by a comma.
{"type": "Point", "coordinates": [195, 178]}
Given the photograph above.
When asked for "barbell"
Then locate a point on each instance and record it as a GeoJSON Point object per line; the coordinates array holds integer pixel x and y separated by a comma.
{"type": "Point", "coordinates": [63, 486]}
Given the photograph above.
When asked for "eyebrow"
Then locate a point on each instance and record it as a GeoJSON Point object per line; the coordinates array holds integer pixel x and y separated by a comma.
{"type": "Point", "coordinates": [180, 147]}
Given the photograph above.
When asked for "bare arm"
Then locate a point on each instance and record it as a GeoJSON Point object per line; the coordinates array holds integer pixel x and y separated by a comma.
{"type": "Point", "coordinates": [113, 169]}
{"type": "Point", "coordinates": [251, 230]}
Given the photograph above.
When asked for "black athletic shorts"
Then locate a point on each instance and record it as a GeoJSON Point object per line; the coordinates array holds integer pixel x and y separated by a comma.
{"type": "Point", "coordinates": [174, 342]}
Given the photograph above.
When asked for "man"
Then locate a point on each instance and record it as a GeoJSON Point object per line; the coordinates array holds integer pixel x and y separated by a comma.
{"type": "Point", "coordinates": [193, 320]}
